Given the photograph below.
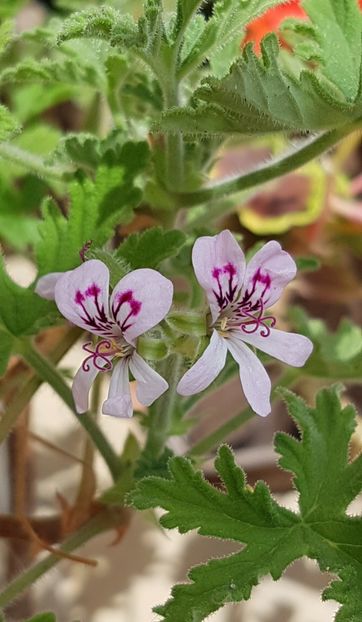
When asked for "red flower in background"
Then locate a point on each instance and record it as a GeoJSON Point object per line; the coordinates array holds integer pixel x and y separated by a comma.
{"type": "Point", "coordinates": [271, 20]}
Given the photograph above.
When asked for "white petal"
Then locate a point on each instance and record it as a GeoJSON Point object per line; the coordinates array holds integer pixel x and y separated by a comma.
{"type": "Point", "coordinates": [253, 377]}
{"type": "Point", "coordinates": [140, 301]}
{"type": "Point", "coordinates": [276, 265]}
{"type": "Point", "coordinates": [46, 285]}
{"type": "Point", "coordinates": [212, 256]}
{"type": "Point", "coordinates": [119, 403]}
{"type": "Point", "coordinates": [82, 296]}
{"type": "Point", "coordinates": [206, 369]}
{"type": "Point", "coordinates": [290, 348]}
{"type": "Point", "coordinates": [82, 383]}
{"type": "Point", "coordinates": [150, 385]}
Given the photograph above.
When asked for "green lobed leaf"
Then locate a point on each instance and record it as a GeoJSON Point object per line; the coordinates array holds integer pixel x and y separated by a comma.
{"type": "Point", "coordinates": [96, 207]}
{"type": "Point", "coordinates": [269, 93]}
{"type": "Point", "coordinates": [273, 535]}
{"type": "Point", "coordinates": [21, 310]}
{"type": "Point", "coordinates": [149, 248]}
{"type": "Point", "coordinates": [327, 483]}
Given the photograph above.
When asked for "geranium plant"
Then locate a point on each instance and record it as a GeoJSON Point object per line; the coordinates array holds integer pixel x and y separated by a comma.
{"type": "Point", "coordinates": [115, 120]}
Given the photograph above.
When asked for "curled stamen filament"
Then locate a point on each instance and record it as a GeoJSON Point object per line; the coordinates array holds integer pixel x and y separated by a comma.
{"type": "Point", "coordinates": [98, 353]}
{"type": "Point", "coordinates": [257, 321]}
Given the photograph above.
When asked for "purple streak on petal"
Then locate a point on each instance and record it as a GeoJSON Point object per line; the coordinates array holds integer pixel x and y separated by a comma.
{"type": "Point", "coordinates": [46, 285]}
{"type": "Point", "coordinates": [152, 296]}
{"type": "Point", "coordinates": [119, 403]}
{"type": "Point", "coordinates": [150, 385]}
{"type": "Point", "coordinates": [82, 297]}
{"type": "Point", "coordinates": [219, 265]}
{"type": "Point", "coordinates": [253, 377]}
{"type": "Point", "coordinates": [267, 273]}
{"type": "Point", "coordinates": [290, 348]}
{"type": "Point", "coordinates": [206, 369]}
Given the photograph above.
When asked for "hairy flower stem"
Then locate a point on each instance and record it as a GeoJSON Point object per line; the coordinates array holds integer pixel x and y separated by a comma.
{"type": "Point", "coordinates": [220, 434]}
{"type": "Point", "coordinates": [33, 382]}
{"type": "Point", "coordinates": [103, 521]}
{"type": "Point", "coordinates": [306, 151]}
{"type": "Point", "coordinates": [161, 420]}
{"type": "Point", "coordinates": [47, 372]}
{"type": "Point", "coordinates": [34, 163]}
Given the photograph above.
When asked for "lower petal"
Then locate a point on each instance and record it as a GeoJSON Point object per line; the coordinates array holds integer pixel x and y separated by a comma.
{"type": "Point", "coordinates": [119, 402]}
{"type": "Point", "coordinates": [150, 385]}
{"type": "Point", "coordinates": [290, 348]}
{"type": "Point", "coordinates": [206, 369]}
{"type": "Point", "coordinates": [253, 377]}
{"type": "Point", "coordinates": [82, 383]}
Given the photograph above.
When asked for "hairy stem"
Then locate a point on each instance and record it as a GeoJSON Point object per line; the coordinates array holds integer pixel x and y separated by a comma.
{"type": "Point", "coordinates": [106, 519]}
{"type": "Point", "coordinates": [34, 163]}
{"type": "Point", "coordinates": [307, 150]}
{"type": "Point", "coordinates": [32, 383]}
{"type": "Point", "coordinates": [221, 433]}
{"type": "Point", "coordinates": [51, 375]}
{"type": "Point", "coordinates": [164, 409]}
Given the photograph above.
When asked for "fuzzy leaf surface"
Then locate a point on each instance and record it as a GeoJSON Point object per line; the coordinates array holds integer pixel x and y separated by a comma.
{"type": "Point", "coordinates": [266, 94]}
{"type": "Point", "coordinates": [149, 248]}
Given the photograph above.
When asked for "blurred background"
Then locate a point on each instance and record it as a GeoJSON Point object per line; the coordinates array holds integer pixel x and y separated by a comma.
{"type": "Point", "coordinates": [314, 212]}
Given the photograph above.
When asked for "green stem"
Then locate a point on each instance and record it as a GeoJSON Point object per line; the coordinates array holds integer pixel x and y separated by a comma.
{"type": "Point", "coordinates": [103, 521]}
{"type": "Point", "coordinates": [34, 163]}
{"type": "Point", "coordinates": [220, 434]}
{"type": "Point", "coordinates": [32, 383]}
{"type": "Point", "coordinates": [164, 409]}
{"type": "Point", "coordinates": [308, 150]}
{"type": "Point", "coordinates": [47, 372]}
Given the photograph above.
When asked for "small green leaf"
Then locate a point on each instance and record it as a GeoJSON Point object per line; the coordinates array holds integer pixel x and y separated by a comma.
{"type": "Point", "coordinates": [150, 248]}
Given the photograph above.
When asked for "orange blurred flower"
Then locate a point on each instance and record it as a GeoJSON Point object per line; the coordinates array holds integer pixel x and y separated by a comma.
{"type": "Point", "coordinates": [271, 20]}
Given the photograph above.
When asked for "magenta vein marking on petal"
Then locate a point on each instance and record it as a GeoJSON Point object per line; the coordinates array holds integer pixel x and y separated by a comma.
{"type": "Point", "coordinates": [97, 353]}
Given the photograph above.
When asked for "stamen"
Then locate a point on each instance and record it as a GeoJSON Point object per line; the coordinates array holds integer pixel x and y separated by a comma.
{"type": "Point", "coordinates": [99, 353]}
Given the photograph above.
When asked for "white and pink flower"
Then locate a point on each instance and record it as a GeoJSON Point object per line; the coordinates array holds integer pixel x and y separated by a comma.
{"type": "Point", "coordinates": [239, 295]}
{"type": "Point", "coordinates": [138, 302]}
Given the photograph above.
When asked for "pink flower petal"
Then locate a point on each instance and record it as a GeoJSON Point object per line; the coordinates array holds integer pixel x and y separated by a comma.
{"type": "Point", "coordinates": [268, 272]}
{"type": "Point", "coordinates": [46, 285]}
{"type": "Point", "coordinates": [206, 369]}
{"type": "Point", "coordinates": [150, 385]}
{"type": "Point", "coordinates": [81, 296]}
{"type": "Point", "coordinates": [119, 402]}
{"type": "Point", "coordinates": [82, 383]}
{"type": "Point", "coordinates": [219, 265]}
{"type": "Point", "coordinates": [140, 301]}
{"type": "Point", "coordinates": [253, 377]}
{"type": "Point", "coordinates": [290, 348]}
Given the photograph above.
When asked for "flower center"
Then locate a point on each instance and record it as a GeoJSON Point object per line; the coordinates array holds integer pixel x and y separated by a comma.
{"type": "Point", "coordinates": [243, 311]}
{"type": "Point", "coordinates": [102, 354]}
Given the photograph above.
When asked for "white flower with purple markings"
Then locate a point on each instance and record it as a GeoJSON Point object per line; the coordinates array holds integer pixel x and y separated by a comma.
{"type": "Point", "coordinates": [138, 302]}
{"type": "Point", "coordinates": [239, 296]}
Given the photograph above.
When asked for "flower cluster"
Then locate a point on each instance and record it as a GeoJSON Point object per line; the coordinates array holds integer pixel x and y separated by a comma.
{"type": "Point", "coordinates": [239, 296]}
